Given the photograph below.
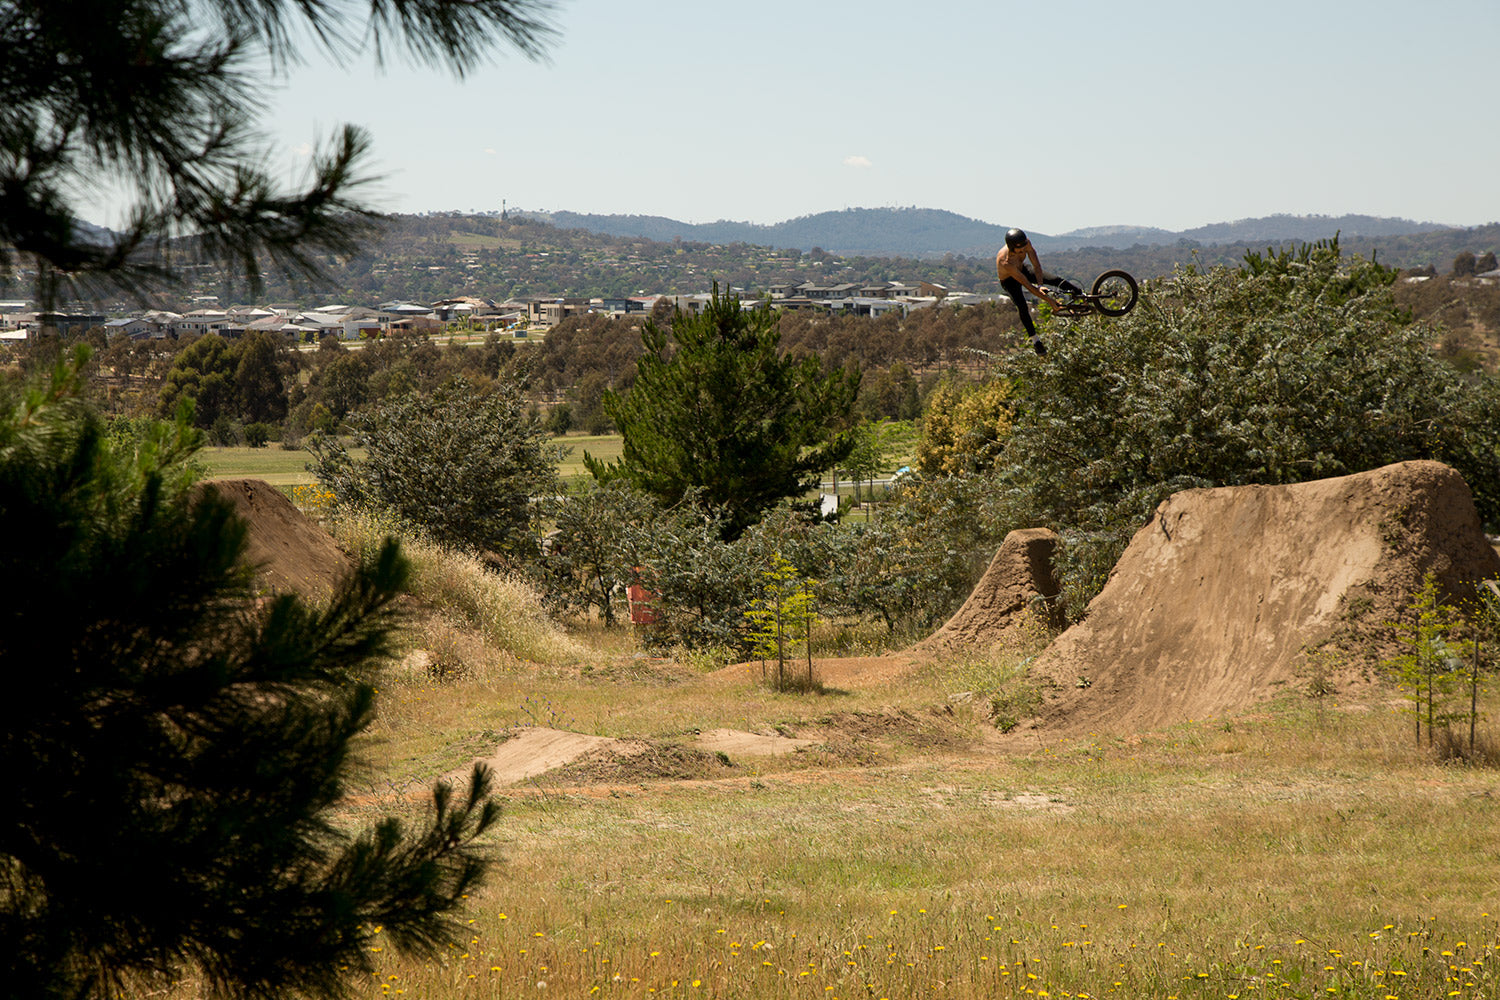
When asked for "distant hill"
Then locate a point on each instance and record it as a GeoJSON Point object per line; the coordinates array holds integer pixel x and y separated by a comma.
{"type": "Point", "coordinates": [424, 258]}
{"type": "Point", "coordinates": [1304, 228]}
{"type": "Point", "coordinates": [869, 232]}
{"type": "Point", "coordinates": [931, 233]}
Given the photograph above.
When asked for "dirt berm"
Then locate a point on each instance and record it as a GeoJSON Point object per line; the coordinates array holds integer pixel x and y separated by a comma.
{"type": "Point", "coordinates": [1215, 600]}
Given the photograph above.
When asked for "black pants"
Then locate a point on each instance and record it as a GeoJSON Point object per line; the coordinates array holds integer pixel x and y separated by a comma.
{"type": "Point", "coordinates": [1017, 294]}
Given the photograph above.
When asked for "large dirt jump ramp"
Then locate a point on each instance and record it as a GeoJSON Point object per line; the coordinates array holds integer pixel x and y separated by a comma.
{"type": "Point", "coordinates": [1212, 605]}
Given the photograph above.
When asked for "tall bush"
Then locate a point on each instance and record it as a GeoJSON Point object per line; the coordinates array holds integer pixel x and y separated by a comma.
{"type": "Point", "coordinates": [463, 464]}
{"type": "Point", "coordinates": [1297, 366]}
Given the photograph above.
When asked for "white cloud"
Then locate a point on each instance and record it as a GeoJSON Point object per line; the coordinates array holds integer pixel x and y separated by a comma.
{"type": "Point", "coordinates": [490, 152]}
{"type": "Point", "coordinates": [304, 151]}
{"type": "Point", "coordinates": [858, 162]}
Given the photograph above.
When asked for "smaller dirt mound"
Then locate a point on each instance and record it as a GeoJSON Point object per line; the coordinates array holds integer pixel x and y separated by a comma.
{"type": "Point", "coordinates": [289, 551]}
{"type": "Point", "coordinates": [738, 743]}
{"type": "Point", "coordinates": [639, 761]}
{"type": "Point", "coordinates": [1018, 587]}
{"type": "Point", "coordinates": [579, 759]}
{"type": "Point", "coordinates": [534, 751]}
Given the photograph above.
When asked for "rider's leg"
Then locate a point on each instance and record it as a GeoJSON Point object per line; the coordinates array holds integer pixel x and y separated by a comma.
{"type": "Point", "coordinates": [1051, 279]}
{"type": "Point", "coordinates": [1018, 296]}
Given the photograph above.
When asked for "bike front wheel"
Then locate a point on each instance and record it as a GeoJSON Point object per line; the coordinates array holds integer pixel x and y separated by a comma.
{"type": "Point", "coordinates": [1115, 293]}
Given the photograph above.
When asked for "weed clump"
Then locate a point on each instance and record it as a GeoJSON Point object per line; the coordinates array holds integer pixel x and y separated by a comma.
{"type": "Point", "coordinates": [1013, 704]}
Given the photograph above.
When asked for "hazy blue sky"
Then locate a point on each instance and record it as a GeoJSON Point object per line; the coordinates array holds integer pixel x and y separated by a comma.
{"type": "Point", "coordinates": [1049, 115]}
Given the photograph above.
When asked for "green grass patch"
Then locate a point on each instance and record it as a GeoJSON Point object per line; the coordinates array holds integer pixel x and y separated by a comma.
{"type": "Point", "coordinates": [605, 447]}
{"type": "Point", "coordinates": [275, 465]}
{"type": "Point", "coordinates": [281, 467]}
{"type": "Point", "coordinates": [479, 241]}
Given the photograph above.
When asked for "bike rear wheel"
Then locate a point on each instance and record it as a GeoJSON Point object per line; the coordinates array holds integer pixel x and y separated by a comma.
{"type": "Point", "coordinates": [1115, 293]}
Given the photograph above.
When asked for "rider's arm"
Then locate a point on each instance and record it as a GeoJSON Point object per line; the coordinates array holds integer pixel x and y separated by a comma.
{"type": "Point", "coordinates": [1036, 268]}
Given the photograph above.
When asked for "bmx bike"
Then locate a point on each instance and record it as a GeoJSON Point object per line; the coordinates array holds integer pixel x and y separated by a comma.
{"type": "Point", "coordinates": [1114, 293]}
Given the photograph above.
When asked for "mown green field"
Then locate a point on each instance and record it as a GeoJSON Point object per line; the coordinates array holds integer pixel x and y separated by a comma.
{"type": "Point", "coordinates": [273, 464]}
{"type": "Point", "coordinates": [287, 468]}
{"type": "Point", "coordinates": [605, 447]}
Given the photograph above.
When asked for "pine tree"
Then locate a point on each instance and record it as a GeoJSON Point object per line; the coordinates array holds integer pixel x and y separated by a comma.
{"type": "Point", "coordinates": [158, 100]}
{"type": "Point", "coordinates": [716, 408]}
{"type": "Point", "coordinates": [176, 746]}
{"type": "Point", "coordinates": [1432, 664]}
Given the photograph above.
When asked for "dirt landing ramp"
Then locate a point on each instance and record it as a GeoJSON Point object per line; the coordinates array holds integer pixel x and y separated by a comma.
{"type": "Point", "coordinates": [1019, 580]}
{"type": "Point", "coordinates": [1210, 607]}
{"type": "Point", "coordinates": [534, 751]}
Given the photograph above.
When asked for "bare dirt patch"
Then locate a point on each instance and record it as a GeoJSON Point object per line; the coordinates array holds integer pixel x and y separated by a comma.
{"type": "Point", "coordinates": [536, 750]}
{"type": "Point", "coordinates": [738, 743]}
{"type": "Point", "coordinates": [839, 673]}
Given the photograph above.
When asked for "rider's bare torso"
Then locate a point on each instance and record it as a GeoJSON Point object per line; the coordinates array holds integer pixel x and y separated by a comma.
{"type": "Point", "coordinates": [1009, 262]}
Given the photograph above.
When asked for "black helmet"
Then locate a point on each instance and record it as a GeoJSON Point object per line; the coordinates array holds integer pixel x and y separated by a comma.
{"type": "Point", "coordinates": [1016, 239]}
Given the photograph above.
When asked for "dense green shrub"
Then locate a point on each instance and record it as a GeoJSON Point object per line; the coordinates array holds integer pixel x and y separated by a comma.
{"type": "Point", "coordinates": [463, 464]}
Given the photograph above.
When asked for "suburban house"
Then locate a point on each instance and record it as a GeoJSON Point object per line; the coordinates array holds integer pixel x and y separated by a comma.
{"type": "Point", "coordinates": [201, 321]}
{"type": "Point", "coordinates": [550, 312]}
{"type": "Point", "coordinates": [470, 312]}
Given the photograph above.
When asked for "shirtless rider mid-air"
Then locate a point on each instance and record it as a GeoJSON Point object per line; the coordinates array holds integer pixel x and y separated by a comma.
{"type": "Point", "coordinates": [1019, 269]}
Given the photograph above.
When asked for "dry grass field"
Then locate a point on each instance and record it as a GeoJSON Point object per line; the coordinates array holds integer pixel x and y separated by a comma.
{"type": "Point", "coordinates": [881, 838]}
{"type": "Point", "coordinates": [1297, 850]}
{"type": "Point", "coordinates": [1303, 848]}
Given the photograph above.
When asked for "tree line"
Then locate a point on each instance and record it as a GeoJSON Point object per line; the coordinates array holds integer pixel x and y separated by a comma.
{"type": "Point", "coordinates": [1298, 365]}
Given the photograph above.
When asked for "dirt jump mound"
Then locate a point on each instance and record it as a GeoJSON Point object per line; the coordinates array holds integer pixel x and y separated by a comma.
{"type": "Point", "coordinates": [289, 551]}
{"type": "Point", "coordinates": [1212, 605]}
{"type": "Point", "coordinates": [1019, 585]}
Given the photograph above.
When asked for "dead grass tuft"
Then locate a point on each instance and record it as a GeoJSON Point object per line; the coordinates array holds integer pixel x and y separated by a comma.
{"type": "Point", "coordinates": [455, 593]}
{"type": "Point", "coordinates": [1452, 747]}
